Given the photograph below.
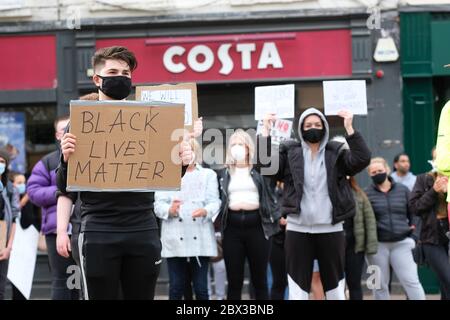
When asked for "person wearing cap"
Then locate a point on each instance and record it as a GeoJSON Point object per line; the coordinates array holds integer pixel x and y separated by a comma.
{"type": "Point", "coordinates": [317, 199]}
{"type": "Point", "coordinates": [9, 211]}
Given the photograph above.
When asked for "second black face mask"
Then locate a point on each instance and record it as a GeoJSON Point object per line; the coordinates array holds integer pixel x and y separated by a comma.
{"type": "Point", "coordinates": [379, 178]}
{"type": "Point", "coordinates": [313, 135]}
{"type": "Point", "coordinates": [116, 87]}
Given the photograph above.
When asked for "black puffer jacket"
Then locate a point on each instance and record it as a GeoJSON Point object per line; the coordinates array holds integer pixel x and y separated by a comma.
{"type": "Point", "coordinates": [269, 206]}
{"type": "Point", "coordinates": [340, 162]}
{"type": "Point", "coordinates": [391, 211]}
{"type": "Point", "coordinates": [424, 202]}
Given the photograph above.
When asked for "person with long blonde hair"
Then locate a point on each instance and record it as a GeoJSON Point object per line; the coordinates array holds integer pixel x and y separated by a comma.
{"type": "Point", "coordinates": [247, 220]}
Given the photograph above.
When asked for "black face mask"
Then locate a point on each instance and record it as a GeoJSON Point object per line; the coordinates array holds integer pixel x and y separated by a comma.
{"type": "Point", "coordinates": [313, 135]}
{"type": "Point", "coordinates": [379, 178]}
{"type": "Point", "coordinates": [116, 87]}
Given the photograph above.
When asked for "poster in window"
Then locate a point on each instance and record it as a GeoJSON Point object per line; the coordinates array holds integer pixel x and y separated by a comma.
{"type": "Point", "coordinates": [12, 138]}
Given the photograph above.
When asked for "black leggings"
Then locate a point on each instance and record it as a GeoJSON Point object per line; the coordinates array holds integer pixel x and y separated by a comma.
{"type": "Point", "coordinates": [354, 264]}
{"type": "Point", "coordinates": [278, 266]}
{"type": "Point", "coordinates": [301, 251]}
{"type": "Point", "coordinates": [131, 259]}
{"type": "Point", "coordinates": [244, 238]}
{"type": "Point", "coordinates": [437, 257]}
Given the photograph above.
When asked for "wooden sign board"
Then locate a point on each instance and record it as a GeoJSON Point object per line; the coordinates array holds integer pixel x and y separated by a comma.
{"type": "Point", "coordinates": [124, 146]}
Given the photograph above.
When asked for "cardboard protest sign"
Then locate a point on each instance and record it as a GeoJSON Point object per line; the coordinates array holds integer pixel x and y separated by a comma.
{"type": "Point", "coordinates": [346, 94]}
{"type": "Point", "coordinates": [3, 234]}
{"type": "Point", "coordinates": [183, 93]}
{"type": "Point", "coordinates": [275, 99]}
{"type": "Point", "coordinates": [125, 146]}
{"type": "Point", "coordinates": [281, 131]}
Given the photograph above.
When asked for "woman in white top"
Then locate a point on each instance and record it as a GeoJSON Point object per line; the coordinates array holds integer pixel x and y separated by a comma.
{"type": "Point", "coordinates": [246, 216]}
{"type": "Point", "coordinates": [187, 231]}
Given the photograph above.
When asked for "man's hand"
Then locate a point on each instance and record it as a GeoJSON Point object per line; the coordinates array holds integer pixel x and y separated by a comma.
{"type": "Point", "coordinates": [5, 253]}
{"type": "Point", "coordinates": [68, 143]}
{"type": "Point", "coordinates": [199, 213]}
{"type": "Point", "coordinates": [283, 221]}
{"type": "Point", "coordinates": [174, 208]}
{"type": "Point", "coordinates": [348, 121]}
{"type": "Point", "coordinates": [63, 245]}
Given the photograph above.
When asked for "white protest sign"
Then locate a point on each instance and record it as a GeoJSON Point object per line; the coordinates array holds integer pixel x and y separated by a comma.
{"type": "Point", "coordinates": [346, 94]}
{"type": "Point", "coordinates": [281, 131]}
{"type": "Point", "coordinates": [23, 259]}
{"type": "Point", "coordinates": [182, 93]}
{"type": "Point", "coordinates": [275, 99]}
{"type": "Point", "coordinates": [193, 188]}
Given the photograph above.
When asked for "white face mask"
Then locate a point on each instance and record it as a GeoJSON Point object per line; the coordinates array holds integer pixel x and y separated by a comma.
{"type": "Point", "coordinates": [238, 152]}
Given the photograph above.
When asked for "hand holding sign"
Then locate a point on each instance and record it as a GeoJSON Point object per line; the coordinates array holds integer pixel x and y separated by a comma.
{"type": "Point", "coordinates": [348, 121]}
{"type": "Point", "coordinates": [186, 153]}
{"type": "Point", "coordinates": [269, 122]}
{"type": "Point", "coordinates": [197, 130]}
{"type": "Point", "coordinates": [68, 143]}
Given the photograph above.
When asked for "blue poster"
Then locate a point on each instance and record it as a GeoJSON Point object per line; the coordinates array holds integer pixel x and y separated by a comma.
{"type": "Point", "coordinates": [12, 137]}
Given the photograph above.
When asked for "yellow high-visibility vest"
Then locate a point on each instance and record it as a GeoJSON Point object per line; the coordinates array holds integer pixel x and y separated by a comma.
{"type": "Point", "coordinates": [443, 144]}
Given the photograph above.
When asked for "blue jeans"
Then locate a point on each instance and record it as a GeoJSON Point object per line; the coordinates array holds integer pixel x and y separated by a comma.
{"type": "Point", "coordinates": [177, 276]}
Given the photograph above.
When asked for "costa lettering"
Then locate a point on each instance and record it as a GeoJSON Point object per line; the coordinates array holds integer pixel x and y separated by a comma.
{"type": "Point", "coordinates": [268, 57]}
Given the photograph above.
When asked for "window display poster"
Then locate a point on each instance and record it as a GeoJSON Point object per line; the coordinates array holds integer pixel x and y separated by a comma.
{"type": "Point", "coordinates": [12, 138]}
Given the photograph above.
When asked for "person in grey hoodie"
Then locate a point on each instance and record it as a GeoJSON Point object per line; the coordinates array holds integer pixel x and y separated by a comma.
{"type": "Point", "coordinates": [317, 199]}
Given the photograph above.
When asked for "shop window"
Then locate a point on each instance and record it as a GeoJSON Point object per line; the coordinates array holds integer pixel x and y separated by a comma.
{"type": "Point", "coordinates": [39, 131]}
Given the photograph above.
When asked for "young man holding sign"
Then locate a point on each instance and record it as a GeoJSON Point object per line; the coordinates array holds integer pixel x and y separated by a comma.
{"type": "Point", "coordinates": [119, 241]}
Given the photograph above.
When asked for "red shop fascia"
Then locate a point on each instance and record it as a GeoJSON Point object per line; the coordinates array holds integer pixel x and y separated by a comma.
{"type": "Point", "coordinates": [240, 57]}
{"type": "Point", "coordinates": [227, 67]}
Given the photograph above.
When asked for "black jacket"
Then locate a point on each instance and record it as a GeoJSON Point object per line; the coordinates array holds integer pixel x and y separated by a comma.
{"type": "Point", "coordinates": [269, 205]}
{"type": "Point", "coordinates": [340, 162]}
{"type": "Point", "coordinates": [391, 211]}
{"type": "Point", "coordinates": [424, 202]}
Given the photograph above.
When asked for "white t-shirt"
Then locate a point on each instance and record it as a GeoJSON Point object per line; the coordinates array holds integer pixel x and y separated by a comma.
{"type": "Point", "coordinates": [243, 193]}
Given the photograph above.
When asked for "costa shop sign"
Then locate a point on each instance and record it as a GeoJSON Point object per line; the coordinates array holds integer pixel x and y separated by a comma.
{"type": "Point", "coordinates": [222, 58]}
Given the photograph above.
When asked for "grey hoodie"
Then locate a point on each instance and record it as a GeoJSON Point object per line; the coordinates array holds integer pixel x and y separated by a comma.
{"type": "Point", "coordinates": [315, 206]}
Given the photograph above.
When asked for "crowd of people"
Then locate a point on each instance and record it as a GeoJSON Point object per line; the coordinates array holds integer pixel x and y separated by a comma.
{"type": "Point", "coordinates": [309, 220]}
